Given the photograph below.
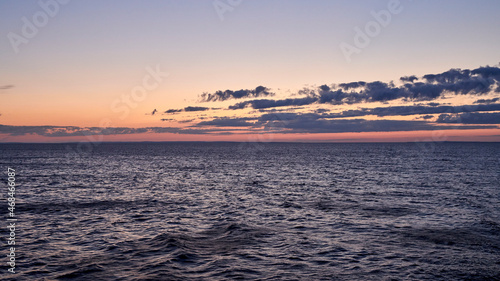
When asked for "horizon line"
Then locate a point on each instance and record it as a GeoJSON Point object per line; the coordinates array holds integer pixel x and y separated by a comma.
{"type": "Point", "coordinates": [269, 142]}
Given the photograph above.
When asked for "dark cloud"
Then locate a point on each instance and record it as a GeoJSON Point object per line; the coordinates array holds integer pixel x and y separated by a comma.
{"type": "Point", "coordinates": [422, 91]}
{"type": "Point", "coordinates": [265, 103]}
{"type": "Point", "coordinates": [306, 92]}
{"type": "Point", "coordinates": [187, 109]}
{"type": "Point", "coordinates": [189, 131]}
{"type": "Point", "coordinates": [195, 108]}
{"type": "Point", "coordinates": [427, 117]}
{"type": "Point", "coordinates": [316, 123]}
{"type": "Point", "coordinates": [227, 122]}
{"type": "Point", "coordinates": [380, 91]}
{"type": "Point", "coordinates": [71, 131]}
{"type": "Point", "coordinates": [352, 85]}
{"type": "Point", "coordinates": [67, 131]}
{"type": "Point", "coordinates": [470, 118]}
{"type": "Point", "coordinates": [338, 97]}
{"type": "Point", "coordinates": [378, 111]}
{"type": "Point", "coordinates": [321, 110]}
{"type": "Point", "coordinates": [172, 111]}
{"type": "Point", "coordinates": [175, 120]}
{"type": "Point", "coordinates": [476, 81]}
{"type": "Point", "coordinates": [487, 100]}
{"type": "Point", "coordinates": [455, 81]}
{"type": "Point", "coordinates": [324, 88]}
{"type": "Point", "coordinates": [410, 79]}
{"type": "Point", "coordinates": [387, 111]}
{"type": "Point", "coordinates": [310, 124]}
{"type": "Point", "coordinates": [278, 123]}
{"type": "Point", "coordinates": [450, 76]}
{"type": "Point", "coordinates": [260, 91]}
{"type": "Point", "coordinates": [413, 110]}
{"type": "Point", "coordinates": [488, 72]}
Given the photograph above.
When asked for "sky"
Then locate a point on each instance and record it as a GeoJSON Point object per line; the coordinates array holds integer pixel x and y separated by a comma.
{"type": "Point", "coordinates": [241, 70]}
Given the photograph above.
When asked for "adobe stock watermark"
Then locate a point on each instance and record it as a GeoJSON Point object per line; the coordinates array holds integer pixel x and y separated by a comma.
{"type": "Point", "coordinates": [31, 26]}
{"type": "Point", "coordinates": [11, 220]}
{"type": "Point", "coordinates": [223, 6]}
{"type": "Point", "coordinates": [150, 82]}
{"type": "Point", "coordinates": [372, 29]}
{"type": "Point", "coordinates": [123, 105]}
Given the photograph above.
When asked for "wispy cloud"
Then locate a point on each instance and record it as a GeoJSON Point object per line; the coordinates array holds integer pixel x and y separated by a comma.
{"type": "Point", "coordinates": [71, 131]}
{"type": "Point", "coordinates": [412, 110]}
{"type": "Point", "coordinates": [260, 91]}
{"type": "Point", "coordinates": [311, 125]}
{"type": "Point", "coordinates": [227, 122]}
{"type": "Point", "coordinates": [187, 109]}
{"type": "Point", "coordinates": [293, 123]}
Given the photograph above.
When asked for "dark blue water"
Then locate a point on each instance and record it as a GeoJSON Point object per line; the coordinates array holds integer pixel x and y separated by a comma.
{"type": "Point", "coordinates": [230, 211]}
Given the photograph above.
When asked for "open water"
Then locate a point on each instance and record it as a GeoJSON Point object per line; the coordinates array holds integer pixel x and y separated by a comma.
{"type": "Point", "coordinates": [254, 211]}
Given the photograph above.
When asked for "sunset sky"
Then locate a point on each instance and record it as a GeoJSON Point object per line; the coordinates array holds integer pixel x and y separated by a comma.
{"type": "Point", "coordinates": [249, 70]}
